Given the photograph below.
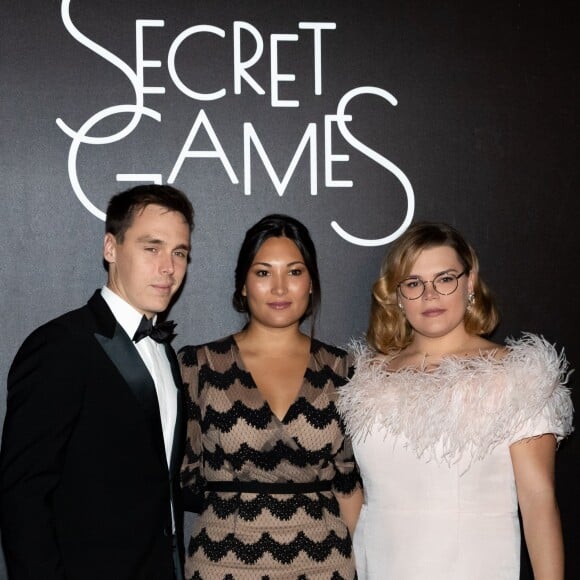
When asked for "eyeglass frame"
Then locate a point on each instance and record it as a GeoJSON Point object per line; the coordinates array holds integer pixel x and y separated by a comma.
{"type": "Point", "coordinates": [425, 282]}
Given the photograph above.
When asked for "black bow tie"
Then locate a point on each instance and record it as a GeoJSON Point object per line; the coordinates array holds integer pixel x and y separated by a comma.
{"type": "Point", "coordinates": [161, 332]}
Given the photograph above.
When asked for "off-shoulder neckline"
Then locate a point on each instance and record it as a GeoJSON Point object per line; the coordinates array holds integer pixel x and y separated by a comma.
{"type": "Point", "coordinates": [495, 354]}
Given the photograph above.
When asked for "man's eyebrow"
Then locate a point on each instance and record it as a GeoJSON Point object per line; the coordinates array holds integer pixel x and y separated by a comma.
{"type": "Point", "coordinates": [150, 239]}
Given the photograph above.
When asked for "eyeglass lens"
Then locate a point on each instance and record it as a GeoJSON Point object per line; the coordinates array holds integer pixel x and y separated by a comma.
{"type": "Point", "coordinates": [413, 288]}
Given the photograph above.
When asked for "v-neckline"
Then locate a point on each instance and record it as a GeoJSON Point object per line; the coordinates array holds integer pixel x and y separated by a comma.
{"type": "Point", "coordinates": [242, 366]}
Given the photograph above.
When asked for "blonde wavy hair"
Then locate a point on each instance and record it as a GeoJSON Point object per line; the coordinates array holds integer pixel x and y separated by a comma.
{"type": "Point", "coordinates": [388, 328]}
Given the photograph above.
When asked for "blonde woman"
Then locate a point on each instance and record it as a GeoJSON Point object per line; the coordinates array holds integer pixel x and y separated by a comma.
{"type": "Point", "coordinates": [451, 431]}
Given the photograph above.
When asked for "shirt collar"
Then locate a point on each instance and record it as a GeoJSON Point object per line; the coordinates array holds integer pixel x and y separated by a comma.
{"type": "Point", "coordinates": [124, 313]}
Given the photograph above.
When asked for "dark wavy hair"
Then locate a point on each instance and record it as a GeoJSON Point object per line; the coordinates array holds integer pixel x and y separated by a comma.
{"type": "Point", "coordinates": [277, 226]}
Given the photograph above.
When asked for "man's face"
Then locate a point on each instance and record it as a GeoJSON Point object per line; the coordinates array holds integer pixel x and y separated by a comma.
{"type": "Point", "coordinates": [148, 267]}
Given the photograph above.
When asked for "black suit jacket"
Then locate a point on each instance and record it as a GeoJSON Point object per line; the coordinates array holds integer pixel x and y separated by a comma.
{"type": "Point", "coordinates": [85, 491]}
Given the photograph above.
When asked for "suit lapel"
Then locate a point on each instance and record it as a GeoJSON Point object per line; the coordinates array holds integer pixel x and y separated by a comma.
{"type": "Point", "coordinates": [123, 354]}
{"type": "Point", "coordinates": [178, 435]}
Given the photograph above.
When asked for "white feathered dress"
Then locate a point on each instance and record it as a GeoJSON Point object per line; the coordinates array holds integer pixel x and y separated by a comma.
{"type": "Point", "coordinates": [433, 450]}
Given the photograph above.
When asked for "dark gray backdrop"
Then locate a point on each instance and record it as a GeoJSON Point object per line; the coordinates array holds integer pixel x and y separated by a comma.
{"type": "Point", "coordinates": [485, 131]}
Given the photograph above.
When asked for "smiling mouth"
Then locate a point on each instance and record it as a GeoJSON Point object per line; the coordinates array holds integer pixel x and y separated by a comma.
{"type": "Point", "coordinates": [279, 305]}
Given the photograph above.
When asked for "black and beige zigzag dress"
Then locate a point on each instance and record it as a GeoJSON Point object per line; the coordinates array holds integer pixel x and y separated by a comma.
{"type": "Point", "coordinates": [269, 511]}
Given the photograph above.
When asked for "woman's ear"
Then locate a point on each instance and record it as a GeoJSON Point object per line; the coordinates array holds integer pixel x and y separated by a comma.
{"type": "Point", "coordinates": [471, 279]}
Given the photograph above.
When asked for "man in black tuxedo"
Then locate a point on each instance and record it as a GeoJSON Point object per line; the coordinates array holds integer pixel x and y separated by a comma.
{"type": "Point", "coordinates": [91, 448]}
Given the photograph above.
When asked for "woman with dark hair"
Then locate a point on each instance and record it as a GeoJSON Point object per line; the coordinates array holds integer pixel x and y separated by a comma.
{"type": "Point", "coordinates": [265, 445]}
{"type": "Point", "coordinates": [451, 431]}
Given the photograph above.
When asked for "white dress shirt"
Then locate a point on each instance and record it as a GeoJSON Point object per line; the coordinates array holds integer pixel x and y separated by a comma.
{"type": "Point", "coordinates": [155, 359]}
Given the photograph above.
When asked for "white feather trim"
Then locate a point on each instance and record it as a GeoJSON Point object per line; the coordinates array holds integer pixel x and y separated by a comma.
{"type": "Point", "coordinates": [465, 406]}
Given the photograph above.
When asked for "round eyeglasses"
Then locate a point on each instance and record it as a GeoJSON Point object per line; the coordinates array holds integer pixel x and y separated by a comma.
{"type": "Point", "coordinates": [413, 288]}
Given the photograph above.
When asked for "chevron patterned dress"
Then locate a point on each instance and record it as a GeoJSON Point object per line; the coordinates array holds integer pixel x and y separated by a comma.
{"type": "Point", "coordinates": [269, 511]}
